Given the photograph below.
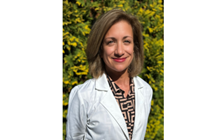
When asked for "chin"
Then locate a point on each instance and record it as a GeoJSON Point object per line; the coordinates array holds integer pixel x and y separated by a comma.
{"type": "Point", "coordinates": [120, 69]}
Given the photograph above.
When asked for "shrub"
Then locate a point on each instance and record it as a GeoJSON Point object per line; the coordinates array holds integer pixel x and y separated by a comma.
{"type": "Point", "coordinates": [80, 15]}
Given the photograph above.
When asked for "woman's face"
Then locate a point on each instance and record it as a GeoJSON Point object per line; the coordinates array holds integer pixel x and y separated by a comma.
{"type": "Point", "coordinates": [118, 47]}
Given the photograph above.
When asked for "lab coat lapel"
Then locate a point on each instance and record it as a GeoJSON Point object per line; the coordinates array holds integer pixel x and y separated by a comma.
{"type": "Point", "coordinates": [139, 104]}
{"type": "Point", "coordinates": [110, 103]}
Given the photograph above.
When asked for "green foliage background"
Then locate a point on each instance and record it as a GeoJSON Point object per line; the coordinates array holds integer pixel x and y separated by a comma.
{"type": "Point", "coordinates": [80, 15]}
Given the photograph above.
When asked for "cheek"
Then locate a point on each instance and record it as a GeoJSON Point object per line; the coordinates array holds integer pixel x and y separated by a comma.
{"type": "Point", "coordinates": [130, 50]}
{"type": "Point", "coordinates": [108, 51]}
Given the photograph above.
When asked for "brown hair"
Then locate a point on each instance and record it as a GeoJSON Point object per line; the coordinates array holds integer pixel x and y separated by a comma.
{"type": "Point", "coordinates": [97, 34]}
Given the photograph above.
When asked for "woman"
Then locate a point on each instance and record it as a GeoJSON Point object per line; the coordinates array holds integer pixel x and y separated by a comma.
{"type": "Point", "coordinates": [115, 104]}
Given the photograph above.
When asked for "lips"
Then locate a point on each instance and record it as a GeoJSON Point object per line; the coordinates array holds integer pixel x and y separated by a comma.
{"type": "Point", "coordinates": [119, 59]}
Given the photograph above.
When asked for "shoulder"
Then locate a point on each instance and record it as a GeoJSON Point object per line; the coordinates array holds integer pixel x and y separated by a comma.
{"type": "Point", "coordinates": [82, 90]}
{"type": "Point", "coordinates": [140, 83]}
{"type": "Point", "coordinates": [87, 85]}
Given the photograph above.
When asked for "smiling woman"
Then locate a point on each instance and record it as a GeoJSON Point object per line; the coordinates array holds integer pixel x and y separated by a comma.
{"type": "Point", "coordinates": [115, 104]}
{"type": "Point", "coordinates": [97, 38]}
{"type": "Point", "coordinates": [117, 53]}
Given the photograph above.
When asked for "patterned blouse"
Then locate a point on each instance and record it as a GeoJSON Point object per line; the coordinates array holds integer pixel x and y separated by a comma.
{"type": "Point", "coordinates": [127, 105]}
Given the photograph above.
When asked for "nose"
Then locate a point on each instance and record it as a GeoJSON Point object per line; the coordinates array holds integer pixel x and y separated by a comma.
{"type": "Point", "coordinates": [119, 51]}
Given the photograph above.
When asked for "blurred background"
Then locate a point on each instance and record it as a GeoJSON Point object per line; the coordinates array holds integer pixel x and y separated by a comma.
{"type": "Point", "coordinates": [78, 18]}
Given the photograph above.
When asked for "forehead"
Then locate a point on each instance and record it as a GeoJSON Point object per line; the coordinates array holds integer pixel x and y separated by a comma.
{"type": "Point", "coordinates": [120, 29]}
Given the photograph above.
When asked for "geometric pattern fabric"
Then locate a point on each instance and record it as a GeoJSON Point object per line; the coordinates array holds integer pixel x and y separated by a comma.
{"type": "Point", "coordinates": [127, 105]}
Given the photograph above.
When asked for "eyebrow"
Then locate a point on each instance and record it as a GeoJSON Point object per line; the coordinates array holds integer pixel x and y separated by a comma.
{"type": "Point", "coordinates": [114, 38]}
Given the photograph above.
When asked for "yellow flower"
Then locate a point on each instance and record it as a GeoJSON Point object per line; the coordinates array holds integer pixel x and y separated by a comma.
{"type": "Point", "coordinates": [72, 38]}
{"type": "Point", "coordinates": [145, 35]}
{"type": "Point", "coordinates": [150, 30]}
{"type": "Point", "coordinates": [157, 16]}
{"type": "Point", "coordinates": [74, 44]}
{"type": "Point", "coordinates": [66, 82]}
{"type": "Point", "coordinates": [78, 3]}
{"type": "Point", "coordinates": [63, 51]}
{"type": "Point", "coordinates": [84, 73]}
{"type": "Point", "coordinates": [157, 123]}
{"type": "Point", "coordinates": [86, 27]}
{"type": "Point", "coordinates": [120, 5]}
{"type": "Point", "coordinates": [64, 113]}
{"type": "Point", "coordinates": [66, 33]}
{"type": "Point", "coordinates": [152, 13]}
{"type": "Point", "coordinates": [152, 102]}
{"type": "Point", "coordinates": [75, 82]}
{"type": "Point", "coordinates": [77, 39]}
{"type": "Point", "coordinates": [78, 73]}
{"type": "Point", "coordinates": [147, 12]}
{"type": "Point", "coordinates": [78, 20]}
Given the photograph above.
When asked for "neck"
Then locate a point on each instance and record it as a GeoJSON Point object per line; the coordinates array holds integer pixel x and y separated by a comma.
{"type": "Point", "coordinates": [120, 78]}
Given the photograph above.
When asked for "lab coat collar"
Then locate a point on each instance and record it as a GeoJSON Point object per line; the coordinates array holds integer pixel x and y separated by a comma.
{"type": "Point", "coordinates": [102, 84]}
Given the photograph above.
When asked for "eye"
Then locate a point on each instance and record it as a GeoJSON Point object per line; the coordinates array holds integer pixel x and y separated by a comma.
{"type": "Point", "coordinates": [109, 42]}
{"type": "Point", "coordinates": [127, 41]}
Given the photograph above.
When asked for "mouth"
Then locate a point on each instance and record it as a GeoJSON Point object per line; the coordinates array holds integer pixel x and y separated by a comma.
{"type": "Point", "coordinates": [119, 59]}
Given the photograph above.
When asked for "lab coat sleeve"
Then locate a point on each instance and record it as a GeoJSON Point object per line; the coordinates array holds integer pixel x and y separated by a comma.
{"type": "Point", "coordinates": [76, 116]}
{"type": "Point", "coordinates": [150, 98]}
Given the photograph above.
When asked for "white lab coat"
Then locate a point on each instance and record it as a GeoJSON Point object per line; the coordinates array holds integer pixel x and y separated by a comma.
{"type": "Point", "coordinates": [94, 114]}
